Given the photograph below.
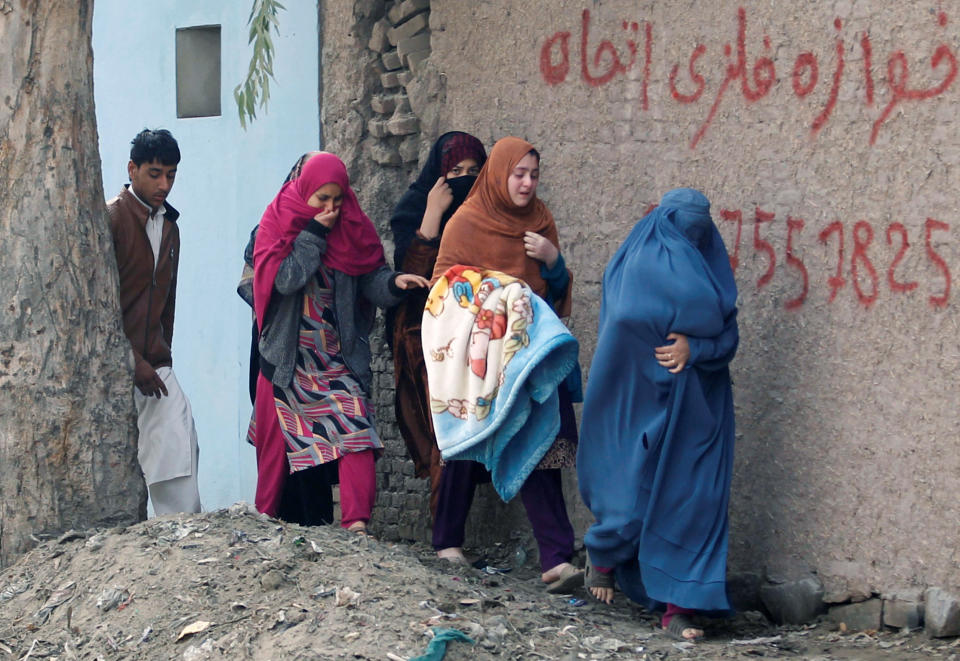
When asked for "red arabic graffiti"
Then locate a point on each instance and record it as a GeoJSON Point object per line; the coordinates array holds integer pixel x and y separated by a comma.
{"type": "Point", "coordinates": [859, 268]}
{"type": "Point", "coordinates": [606, 64]}
{"type": "Point", "coordinates": [752, 74]}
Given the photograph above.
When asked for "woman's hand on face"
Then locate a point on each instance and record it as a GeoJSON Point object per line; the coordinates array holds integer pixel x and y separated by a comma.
{"type": "Point", "coordinates": [440, 196]}
{"type": "Point", "coordinates": [328, 218]}
{"type": "Point", "coordinates": [410, 281]}
{"type": "Point", "coordinates": [439, 200]}
{"type": "Point", "coordinates": [674, 356]}
{"type": "Point", "coordinates": [540, 248]}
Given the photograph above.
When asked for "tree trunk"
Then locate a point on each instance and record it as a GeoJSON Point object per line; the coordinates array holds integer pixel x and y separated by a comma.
{"type": "Point", "coordinates": [67, 419]}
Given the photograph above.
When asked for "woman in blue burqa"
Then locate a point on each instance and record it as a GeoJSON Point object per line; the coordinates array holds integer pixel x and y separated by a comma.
{"type": "Point", "coordinates": [656, 449]}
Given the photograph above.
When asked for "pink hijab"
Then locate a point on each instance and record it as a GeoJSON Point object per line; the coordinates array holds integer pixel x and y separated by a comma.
{"type": "Point", "coordinates": [353, 245]}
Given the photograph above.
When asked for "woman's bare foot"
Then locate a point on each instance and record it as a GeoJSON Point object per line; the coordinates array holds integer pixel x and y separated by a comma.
{"type": "Point", "coordinates": [453, 554]}
{"type": "Point", "coordinates": [602, 594]}
{"type": "Point", "coordinates": [599, 584]}
{"type": "Point", "coordinates": [681, 627]}
{"type": "Point", "coordinates": [563, 578]}
{"type": "Point", "coordinates": [554, 573]}
{"type": "Point", "coordinates": [358, 527]}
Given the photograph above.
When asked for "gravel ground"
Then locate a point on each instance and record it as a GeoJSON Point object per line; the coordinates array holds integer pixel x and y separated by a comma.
{"type": "Point", "coordinates": [232, 584]}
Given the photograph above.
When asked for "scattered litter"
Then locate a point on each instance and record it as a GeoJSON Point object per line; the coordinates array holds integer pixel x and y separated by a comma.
{"type": "Point", "coordinates": [30, 651]}
{"type": "Point", "coordinates": [272, 580]}
{"type": "Point", "coordinates": [496, 570]}
{"type": "Point", "coordinates": [601, 644]}
{"type": "Point", "coordinates": [192, 629]}
{"type": "Point", "coordinates": [176, 534]}
{"type": "Point", "coordinates": [509, 617]}
{"type": "Point", "coordinates": [474, 630]}
{"type": "Point", "coordinates": [758, 641]}
{"type": "Point", "coordinates": [95, 543]}
{"type": "Point", "coordinates": [70, 536]}
{"type": "Point", "coordinates": [347, 597]}
{"type": "Point", "coordinates": [195, 653]}
{"type": "Point", "coordinates": [519, 557]}
{"type": "Point", "coordinates": [496, 631]}
{"type": "Point", "coordinates": [280, 622]}
{"type": "Point", "coordinates": [111, 598]}
{"type": "Point", "coordinates": [437, 648]}
{"type": "Point", "coordinates": [12, 590]}
{"type": "Point", "coordinates": [60, 596]}
{"type": "Point", "coordinates": [241, 508]}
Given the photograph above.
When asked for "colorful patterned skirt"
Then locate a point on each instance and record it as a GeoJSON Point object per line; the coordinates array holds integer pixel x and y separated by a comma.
{"type": "Point", "coordinates": [323, 413]}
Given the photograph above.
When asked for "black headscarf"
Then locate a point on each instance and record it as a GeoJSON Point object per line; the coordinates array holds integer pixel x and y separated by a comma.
{"type": "Point", "coordinates": [408, 214]}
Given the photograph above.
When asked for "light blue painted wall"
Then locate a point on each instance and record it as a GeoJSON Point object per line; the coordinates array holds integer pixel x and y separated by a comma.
{"type": "Point", "coordinates": [226, 178]}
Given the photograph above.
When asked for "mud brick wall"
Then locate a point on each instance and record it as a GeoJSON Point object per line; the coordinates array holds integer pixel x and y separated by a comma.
{"type": "Point", "coordinates": [825, 135]}
{"type": "Point", "coordinates": [381, 106]}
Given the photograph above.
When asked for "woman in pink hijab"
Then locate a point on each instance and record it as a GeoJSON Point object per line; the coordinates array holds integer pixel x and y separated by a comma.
{"type": "Point", "coordinates": [319, 272]}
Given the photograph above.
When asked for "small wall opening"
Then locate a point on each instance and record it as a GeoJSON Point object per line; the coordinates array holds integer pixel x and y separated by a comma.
{"type": "Point", "coordinates": [198, 71]}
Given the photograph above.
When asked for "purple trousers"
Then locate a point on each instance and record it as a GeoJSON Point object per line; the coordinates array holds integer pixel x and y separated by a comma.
{"type": "Point", "coordinates": [542, 496]}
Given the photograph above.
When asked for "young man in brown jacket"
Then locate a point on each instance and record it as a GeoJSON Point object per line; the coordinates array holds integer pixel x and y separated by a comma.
{"type": "Point", "coordinates": [147, 244]}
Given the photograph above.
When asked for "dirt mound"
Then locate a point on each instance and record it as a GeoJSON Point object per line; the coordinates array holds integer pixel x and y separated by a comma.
{"type": "Point", "coordinates": [232, 584]}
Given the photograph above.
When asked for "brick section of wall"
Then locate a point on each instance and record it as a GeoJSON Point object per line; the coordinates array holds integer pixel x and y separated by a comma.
{"type": "Point", "coordinates": [381, 109]}
{"type": "Point", "coordinates": [400, 37]}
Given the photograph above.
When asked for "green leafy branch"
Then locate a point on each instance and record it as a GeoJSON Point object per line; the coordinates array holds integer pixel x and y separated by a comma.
{"type": "Point", "coordinates": [255, 90]}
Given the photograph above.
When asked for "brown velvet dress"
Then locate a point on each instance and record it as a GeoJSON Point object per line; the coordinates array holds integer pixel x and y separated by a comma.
{"type": "Point", "coordinates": [411, 397]}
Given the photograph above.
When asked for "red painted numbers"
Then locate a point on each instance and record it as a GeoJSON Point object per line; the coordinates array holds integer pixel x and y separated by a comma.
{"type": "Point", "coordinates": [862, 238]}
{"type": "Point", "coordinates": [796, 225]}
{"type": "Point", "coordinates": [836, 281]}
{"type": "Point", "coordinates": [940, 300]}
{"type": "Point", "coordinates": [858, 267]}
{"type": "Point", "coordinates": [764, 246]}
{"type": "Point", "coordinates": [736, 217]}
{"type": "Point", "coordinates": [896, 285]}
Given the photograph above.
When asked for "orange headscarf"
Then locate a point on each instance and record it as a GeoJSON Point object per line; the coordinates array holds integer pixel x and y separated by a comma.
{"type": "Point", "coordinates": [487, 230]}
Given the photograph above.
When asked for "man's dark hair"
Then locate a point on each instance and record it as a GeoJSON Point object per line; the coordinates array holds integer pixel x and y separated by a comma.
{"type": "Point", "coordinates": [154, 145]}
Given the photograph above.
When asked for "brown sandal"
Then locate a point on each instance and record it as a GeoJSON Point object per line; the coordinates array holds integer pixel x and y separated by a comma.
{"type": "Point", "coordinates": [569, 580]}
{"type": "Point", "coordinates": [359, 528]}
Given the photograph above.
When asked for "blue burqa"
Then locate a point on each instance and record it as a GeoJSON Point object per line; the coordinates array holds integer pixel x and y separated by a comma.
{"type": "Point", "coordinates": [656, 449]}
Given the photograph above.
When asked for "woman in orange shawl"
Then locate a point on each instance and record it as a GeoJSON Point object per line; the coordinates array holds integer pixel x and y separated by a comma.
{"type": "Point", "coordinates": [502, 226]}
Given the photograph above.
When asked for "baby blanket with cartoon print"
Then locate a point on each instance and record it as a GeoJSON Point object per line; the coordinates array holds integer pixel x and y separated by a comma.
{"type": "Point", "coordinates": [495, 354]}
